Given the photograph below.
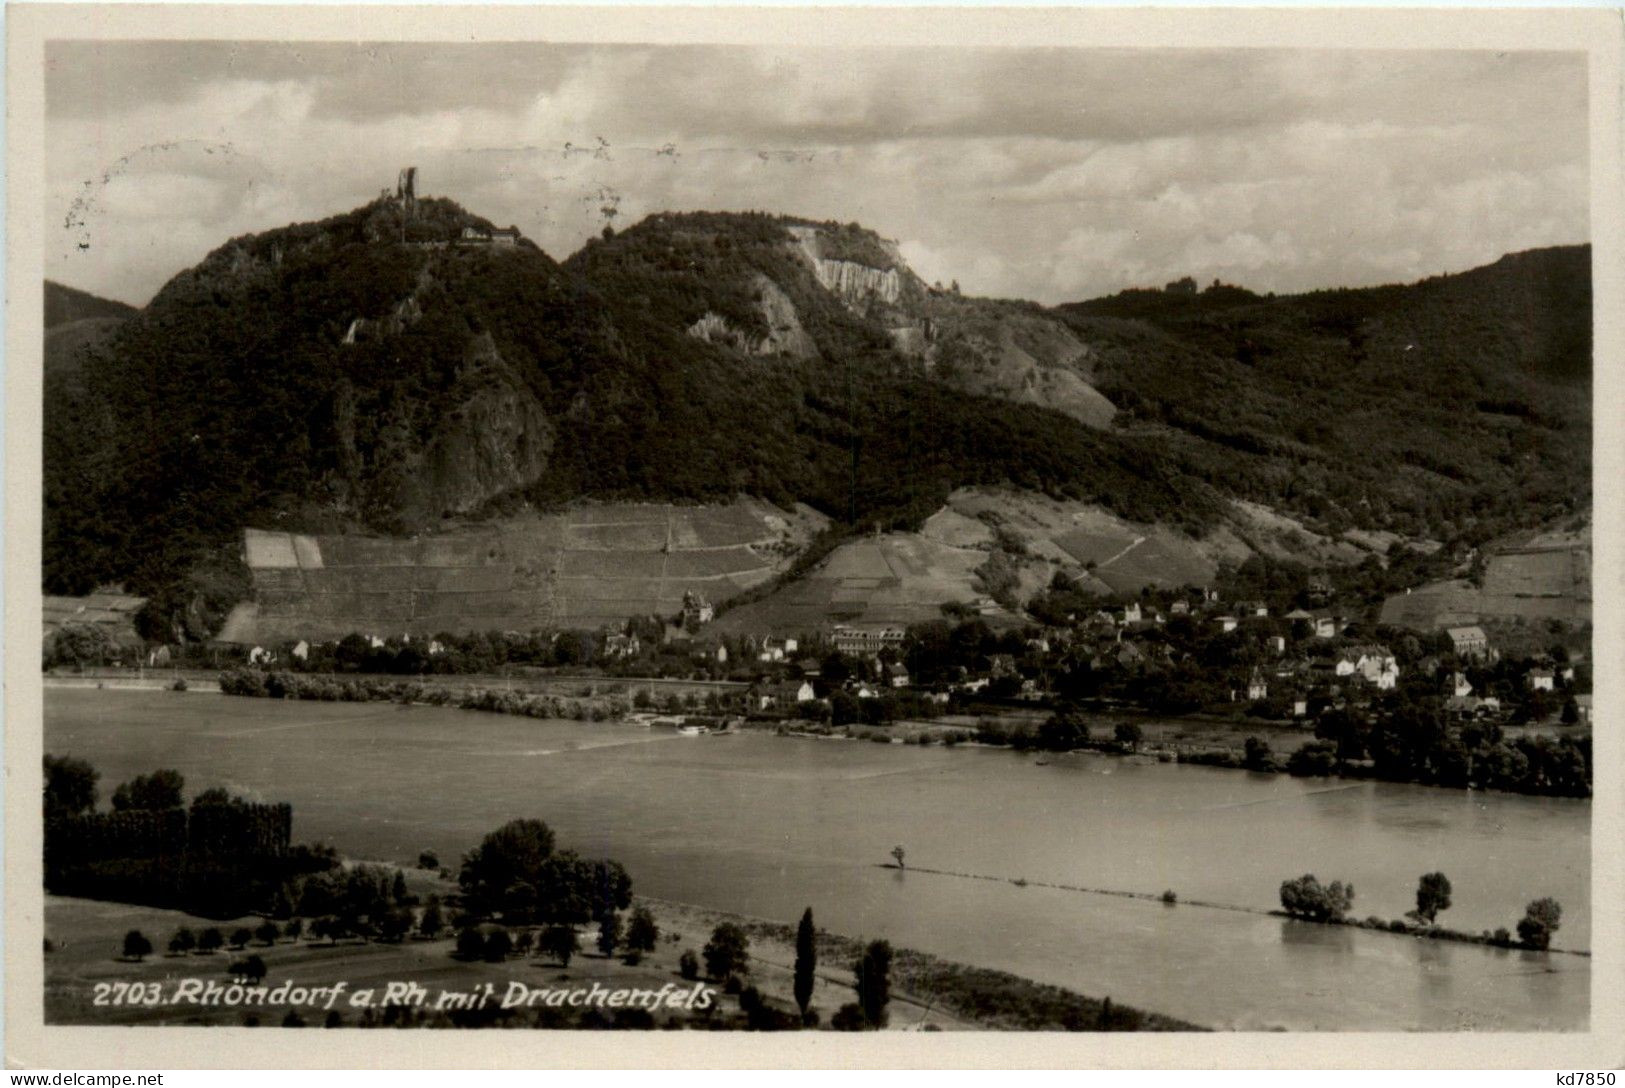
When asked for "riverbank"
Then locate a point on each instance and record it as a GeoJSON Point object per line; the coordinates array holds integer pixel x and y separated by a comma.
{"type": "Point", "coordinates": [84, 967]}
{"type": "Point", "coordinates": [1397, 927]}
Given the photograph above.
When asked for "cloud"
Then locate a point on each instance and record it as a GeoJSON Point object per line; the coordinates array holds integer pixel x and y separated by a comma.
{"type": "Point", "coordinates": [1053, 174]}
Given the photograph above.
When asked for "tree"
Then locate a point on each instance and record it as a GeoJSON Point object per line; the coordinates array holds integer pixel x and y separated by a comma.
{"type": "Point", "coordinates": [559, 942]}
{"type": "Point", "coordinates": [395, 925]}
{"type": "Point", "coordinates": [688, 965]}
{"type": "Point", "coordinates": [609, 933]}
{"type": "Point", "coordinates": [727, 952]}
{"type": "Point", "coordinates": [1540, 921]}
{"type": "Point", "coordinates": [523, 943]}
{"type": "Point", "coordinates": [136, 946]}
{"type": "Point", "coordinates": [155, 792]}
{"type": "Point", "coordinates": [1063, 732]}
{"type": "Point", "coordinates": [1256, 754]}
{"type": "Point", "coordinates": [431, 923]}
{"type": "Point", "coordinates": [266, 933]}
{"type": "Point", "coordinates": [898, 853]}
{"type": "Point", "coordinates": [429, 860]}
{"type": "Point", "coordinates": [1432, 896]}
{"type": "Point", "coordinates": [506, 871]}
{"type": "Point", "coordinates": [642, 933]}
{"type": "Point", "coordinates": [497, 946]}
{"type": "Point", "coordinates": [241, 936]}
{"type": "Point", "coordinates": [210, 940]}
{"type": "Point", "coordinates": [1129, 734]}
{"type": "Point", "coordinates": [214, 795]}
{"type": "Point", "coordinates": [873, 977]}
{"type": "Point", "coordinates": [250, 970]}
{"type": "Point", "coordinates": [294, 929]}
{"type": "Point", "coordinates": [806, 961]}
{"type": "Point", "coordinates": [397, 890]}
{"type": "Point", "coordinates": [470, 944]}
{"type": "Point", "coordinates": [182, 942]}
{"type": "Point", "coordinates": [1305, 898]}
{"type": "Point", "coordinates": [70, 786]}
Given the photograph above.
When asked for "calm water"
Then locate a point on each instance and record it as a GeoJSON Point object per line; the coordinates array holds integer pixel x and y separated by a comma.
{"type": "Point", "coordinates": [767, 825]}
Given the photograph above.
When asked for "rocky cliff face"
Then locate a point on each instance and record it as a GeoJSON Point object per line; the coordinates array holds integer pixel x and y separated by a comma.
{"type": "Point", "coordinates": [496, 439]}
{"type": "Point", "coordinates": [784, 335]}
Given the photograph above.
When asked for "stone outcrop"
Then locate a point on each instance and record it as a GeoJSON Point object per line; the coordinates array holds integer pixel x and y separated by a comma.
{"type": "Point", "coordinates": [496, 439]}
{"type": "Point", "coordinates": [784, 335]}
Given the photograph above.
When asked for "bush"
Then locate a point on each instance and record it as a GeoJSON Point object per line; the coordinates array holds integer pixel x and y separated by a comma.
{"type": "Point", "coordinates": [470, 944]}
{"type": "Point", "coordinates": [688, 965]}
{"type": "Point", "coordinates": [1169, 897]}
{"type": "Point", "coordinates": [1539, 922]}
{"type": "Point", "coordinates": [727, 952]}
{"type": "Point", "coordinates": [1305, 898]}
{"type": "Point", "coordinates": [849, 1017]}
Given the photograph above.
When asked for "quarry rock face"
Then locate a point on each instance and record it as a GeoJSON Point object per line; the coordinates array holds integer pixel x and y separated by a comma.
{"type": "Point", "coordinates": [857, 283]}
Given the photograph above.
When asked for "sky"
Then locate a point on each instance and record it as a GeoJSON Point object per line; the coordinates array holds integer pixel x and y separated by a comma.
{"type": "Point", "coordinates": [1049, 174]}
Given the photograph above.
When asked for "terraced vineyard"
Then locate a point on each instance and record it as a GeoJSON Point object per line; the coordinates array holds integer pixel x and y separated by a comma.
{"type": "Point", "coordinates": [585, 568]}
{"type": "Point", "coordinates": [1542, 576]}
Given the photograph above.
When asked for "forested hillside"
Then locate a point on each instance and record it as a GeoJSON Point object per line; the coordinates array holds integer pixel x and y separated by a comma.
{"type": "Point", "coordinates": [1456, 406]}
{"type": "Point", "coordinates": [368, 372]}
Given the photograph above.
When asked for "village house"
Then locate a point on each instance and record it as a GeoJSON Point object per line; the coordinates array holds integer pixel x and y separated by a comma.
{"type": "Point", "coordinates": [1179, 608]}
{"type": "Point", "coordinates": [1256, 609]}
{"type": "Point", "coordinates": [1469, 642]}
{"type": "Point", "coordinates": [866, 641]}
{"type": "Point", "coordinates": [1540, 679]}
{"type": "Point", "coordinates": [696, 610]}
{"type": "Point", "coordinates": [616, 645]}
{"type": "Point", "coordinates": [711, 650]}
{"type": "Point", "coordinates": [776, 649]}
{"type": "Point", "coordinates": [1226, 623]}
{"type": "Point", "coordinates": [1460, 686]}
{"type": "Point", "coordinates": [897, 676]}
{"type": "Point", "coordinates": [497, 236]}
{"type": "Point", "coordinates": [1375, 663]}
{"type": "Point", "coordinates": [1276, 643]}
{"type": "Point", "coordinates": [1130, 656]}
{"type": "Point", "coordinates": [1131, 613]}
{"type": "Point", "coordinates": [1257, 687]}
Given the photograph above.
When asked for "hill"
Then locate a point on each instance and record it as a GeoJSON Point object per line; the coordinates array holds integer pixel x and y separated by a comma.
{"type": "Point", "coordinates": [776, 286]}
{"type": "Point", "coordinates": [408, 367]}
{"type": "Point", "coordinates": [76, 321]}
{"type": "Point", "coordinates": [64, 305]}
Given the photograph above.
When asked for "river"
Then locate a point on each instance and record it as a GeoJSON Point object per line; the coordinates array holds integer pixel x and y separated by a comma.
{"type": "Point", "coordinates": [766, 826]}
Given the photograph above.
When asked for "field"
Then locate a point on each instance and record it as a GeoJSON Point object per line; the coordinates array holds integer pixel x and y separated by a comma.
{"type": "Point", "coordinates": [1528, 577]}
{"type": "Point", "coordinates": [590, 566]}
{"type": "Point", "coordinates": [902, 578]}
{"type": "Point", "coordinates": [894, 578]}
{"type": "Point", "coordinates": [88, 936]}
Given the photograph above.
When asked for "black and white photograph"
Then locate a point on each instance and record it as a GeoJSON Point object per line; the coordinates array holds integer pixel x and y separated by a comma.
{"type": "Point", "coordinates": [828, 536]}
